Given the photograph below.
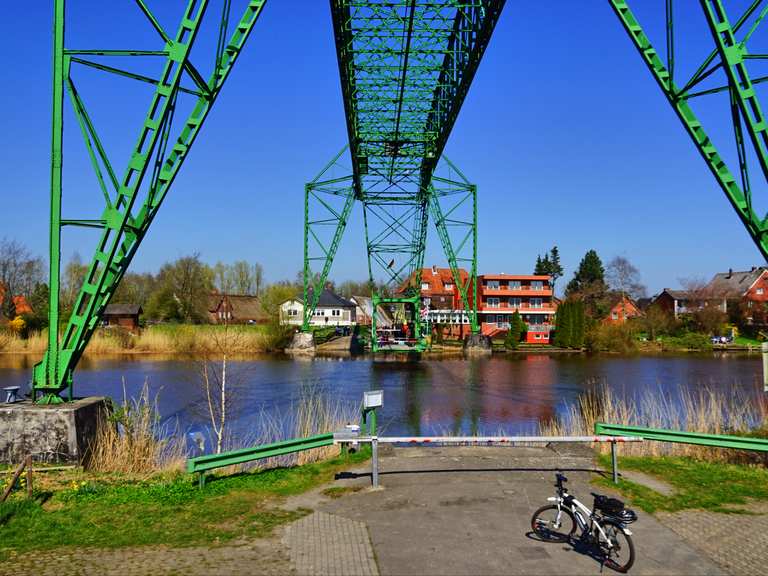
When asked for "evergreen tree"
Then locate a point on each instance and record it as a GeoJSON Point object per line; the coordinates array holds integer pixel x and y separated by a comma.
{"type": "Point", "coordinates": [577, 325]}
{"type": "Point", "coordinates": [589, 284]}
{"type": "Point", "coordinates": [539, 264]}
{"type": "Point", "coordinates": [516, 329]}
{"type": "Point", "coordinates": [555, 268]}
{"type": "Point", "coordinates": [563, 325]}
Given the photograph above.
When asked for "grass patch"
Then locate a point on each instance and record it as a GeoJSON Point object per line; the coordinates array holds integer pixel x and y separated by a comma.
{"type": "Point", "coordinates": [339, 491]}
{"type": "Point", "coordinates": [170, 510]}
{"type": "Point", "coordinates": [713, 486]}
{"type": "Point", "coordinates": [745, 341]}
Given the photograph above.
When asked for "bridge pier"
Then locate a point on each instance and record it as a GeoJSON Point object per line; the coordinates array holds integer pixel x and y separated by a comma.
{"type": "Point", "coordinates": [477, 345]}
{"type": "Point", "coordinates": [303, 343]}
{"type": "Point", "coordinates": [58, 433]}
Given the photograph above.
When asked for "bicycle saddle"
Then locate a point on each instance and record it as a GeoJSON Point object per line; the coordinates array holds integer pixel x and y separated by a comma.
{"type": "Point", "coordinates": [560, 478]}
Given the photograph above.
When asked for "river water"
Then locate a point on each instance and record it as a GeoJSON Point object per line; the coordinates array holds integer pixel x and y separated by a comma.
{"type": "Point", "coordinates": [511, 392]}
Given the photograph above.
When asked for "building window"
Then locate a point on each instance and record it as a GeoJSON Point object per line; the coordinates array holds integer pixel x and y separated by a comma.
{"type": "Point", "coordinates": [425, 285]}
{"type": "Point", "coordinates": [514, 284]}
{"type": "Point", "coordinates": [335, 312]}
{"type": "Point", "coordinates": [537, 285]}
{"type": "Point", "coordinates": [493, 302]}
{"type": "Point", "coordinates": [515, 302]}
{"type": "Point", "coordinates": [537, 336]}
{"type": "Point", "coordinates": [536, 302]}
{"type": "Point", "coordinates": [293, 312]}
{"type": "Point", "coordinates": [492, 284]}
{"type": "Point", "coordinates": [759, 291]}
{"type": "Point", "coordinates": [449, 286]}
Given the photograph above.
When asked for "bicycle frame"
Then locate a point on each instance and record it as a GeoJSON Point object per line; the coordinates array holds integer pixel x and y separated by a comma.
{"type": "Point", "coordinates": [579, 512]}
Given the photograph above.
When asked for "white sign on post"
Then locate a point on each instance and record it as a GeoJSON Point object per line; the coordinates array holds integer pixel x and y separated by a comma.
{"type": "Point", "coordinates": [373, 398]}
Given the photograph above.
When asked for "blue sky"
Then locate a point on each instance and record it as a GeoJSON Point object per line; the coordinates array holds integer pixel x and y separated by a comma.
{"type": "Point", "coordinates": [567, 137]}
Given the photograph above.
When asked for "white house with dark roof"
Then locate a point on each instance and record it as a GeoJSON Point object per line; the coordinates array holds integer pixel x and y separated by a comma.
{"type": "Point", "coordinates": [332, 310]}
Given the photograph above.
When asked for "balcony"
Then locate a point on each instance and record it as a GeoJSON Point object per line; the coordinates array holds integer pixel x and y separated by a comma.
{"type": "Point", "coordinates": [545, 307]}
{"type": "Point", "coordinates": [516, 291]}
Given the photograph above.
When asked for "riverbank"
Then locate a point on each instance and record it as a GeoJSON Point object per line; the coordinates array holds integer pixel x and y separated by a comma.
{"type": "Point", "coordinates": [114, 510]}
{"type": "Point", "coordinates": [253, 340]}
{"type": "Point", "coordinates": [178, 339]}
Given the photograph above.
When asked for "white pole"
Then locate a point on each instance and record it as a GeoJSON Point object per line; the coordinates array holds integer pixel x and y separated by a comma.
{"type": "Point", "coordinates": [764, 349]}
{"type": "Point", "coordinates": [375, 462]}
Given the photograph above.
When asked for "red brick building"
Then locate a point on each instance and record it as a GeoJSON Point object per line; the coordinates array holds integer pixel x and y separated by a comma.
{"type": "Point", "coordinates": [622, 309]}
{"type": "Point", "coordinates": [441, 300]}
{"type": "Point", "coordinates": [746, 289]}
{"type": "Point", "coordinates": [500, 295]}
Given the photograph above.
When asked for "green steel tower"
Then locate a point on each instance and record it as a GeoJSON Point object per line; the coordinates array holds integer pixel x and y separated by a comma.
{"type": "Point", "coordinates": [134, 191]}
{"type": "Point", "coordinates": [724, 71]}
{"type": "Point", "coordinates": [405, 67]}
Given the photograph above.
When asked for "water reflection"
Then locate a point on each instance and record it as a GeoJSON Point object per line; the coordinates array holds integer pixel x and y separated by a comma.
{"type": "Point", "coordinates": [474, 396]}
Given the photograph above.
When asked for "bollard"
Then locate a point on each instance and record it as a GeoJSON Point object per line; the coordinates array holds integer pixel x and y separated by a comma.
{"type": "Point", "coordinates": [613, 463]}
{"type": "Point", "coordinates": [375, 461]}
{"type": "Point", "coordinates": [764, 350]}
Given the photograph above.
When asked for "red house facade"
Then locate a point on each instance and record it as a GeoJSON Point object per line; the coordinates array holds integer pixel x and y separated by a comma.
{"type": "Point", "coordinates": [622, 310]}
{"type": "Point", "coordinates": [501, 295]}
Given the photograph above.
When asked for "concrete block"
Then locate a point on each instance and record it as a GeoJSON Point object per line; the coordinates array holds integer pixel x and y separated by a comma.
{"type": "Point", "coordinates": [60, 433]}
{"type": "Point", "coordinates": [303, 343]}
{"type": "Point", "coordinates": [477, 344]}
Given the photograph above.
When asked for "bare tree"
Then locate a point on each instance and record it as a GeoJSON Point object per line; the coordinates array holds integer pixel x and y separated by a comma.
{"type": "Point", "coordinates": [222, 278]}
{"type": "Point", "coordinates": [623, 277]}
{"type": "Point", "coordinates": [20, 272]}
{"type": "Point", "coordinates": [74, 275]}
{"type": "Point", "coordinates": [258, 278]}
{"type": "Point", "coordinates": [219, 381]}
{"type": "Point", "coordinates": [705, 306]}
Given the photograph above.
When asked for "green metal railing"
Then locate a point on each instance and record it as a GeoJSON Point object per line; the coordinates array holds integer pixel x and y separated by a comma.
{"type": "Point", "coordinates": [677, 436]}
{"type": "Point", "coordinates": [203, 464]}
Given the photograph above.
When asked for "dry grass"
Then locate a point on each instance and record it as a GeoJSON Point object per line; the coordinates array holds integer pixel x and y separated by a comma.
{"type": "Point", "coordinates": [181, 339]}
{"type": "Point", "coordinates": [134, 442]}
{"type": "Point", "coordinates": [707, 410]}
{"type": "Point", "coordinates": [316, 413]}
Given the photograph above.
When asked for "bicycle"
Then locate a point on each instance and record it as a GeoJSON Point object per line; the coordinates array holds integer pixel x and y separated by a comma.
{"type": "Point", "coordinates": [604, 527]}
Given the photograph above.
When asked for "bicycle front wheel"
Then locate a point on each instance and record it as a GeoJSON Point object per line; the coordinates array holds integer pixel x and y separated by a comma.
{"type": "Point", "coordinates": [553, 524]}
{"type": "Point", "coordinates": [621, 554]}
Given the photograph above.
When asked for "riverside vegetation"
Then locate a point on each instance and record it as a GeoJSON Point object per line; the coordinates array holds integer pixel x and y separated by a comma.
{"type": "Point", "coordinates": [161, 339]}
{"type": "Point", "coordinates": [134, 491]}
{"type": "Point", "coordinates": [707, 478]}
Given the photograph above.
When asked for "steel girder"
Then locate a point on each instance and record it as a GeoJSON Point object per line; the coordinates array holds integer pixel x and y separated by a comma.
{"type": "Point", "coordinates": [724, 70]}
{"type": "Point", "coordinates": [131, 202]}
{"type": "Point", "coordinates": [405, 69]}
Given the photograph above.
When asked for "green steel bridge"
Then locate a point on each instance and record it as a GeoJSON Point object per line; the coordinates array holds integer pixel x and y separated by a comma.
{"type": "Point", "coordinates": [405, 68]}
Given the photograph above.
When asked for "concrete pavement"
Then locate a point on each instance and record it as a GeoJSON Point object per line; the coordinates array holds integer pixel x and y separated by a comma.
{"type": "Point", "coordinates": [466, 510]}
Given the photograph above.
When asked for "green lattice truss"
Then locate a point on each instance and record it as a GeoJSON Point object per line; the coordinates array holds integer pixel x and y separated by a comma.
{"type": "Point", "coordinates": [405, 68]}
{"type": "Point", "coordinates": [131, 199]}
{"type": "Point", "coordinates": [724, 70]}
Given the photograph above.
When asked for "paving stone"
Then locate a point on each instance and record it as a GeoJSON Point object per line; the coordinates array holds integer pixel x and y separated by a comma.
{"type": "Point", "coordinates": [324, 544]}
{"type": "Point", "coordinates": [737, 542]}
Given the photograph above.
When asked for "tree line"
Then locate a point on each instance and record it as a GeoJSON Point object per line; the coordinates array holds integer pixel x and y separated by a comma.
{"type": "Point", "coordinates": [178, 292]}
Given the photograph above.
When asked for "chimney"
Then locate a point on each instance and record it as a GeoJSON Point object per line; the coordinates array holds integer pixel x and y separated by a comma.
{"type": "Point", "coordinates": [730, 273]}
{"type": "Point", "coordinates": [434, 270]}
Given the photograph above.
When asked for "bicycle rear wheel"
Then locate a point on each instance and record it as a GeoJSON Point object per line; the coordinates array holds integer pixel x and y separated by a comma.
{"type": "Point", "coordinates": [553, 525]}
{"type": "Point", "coordinates": [621, 555]}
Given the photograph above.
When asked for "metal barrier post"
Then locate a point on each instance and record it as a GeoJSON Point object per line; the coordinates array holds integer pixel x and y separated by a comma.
{"type": "Point", "coordinates": [375, 461]}
{"type": "Point", "coordinates": [613, 462]}
{"type": "Point", "coordinates": [764, 349]}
